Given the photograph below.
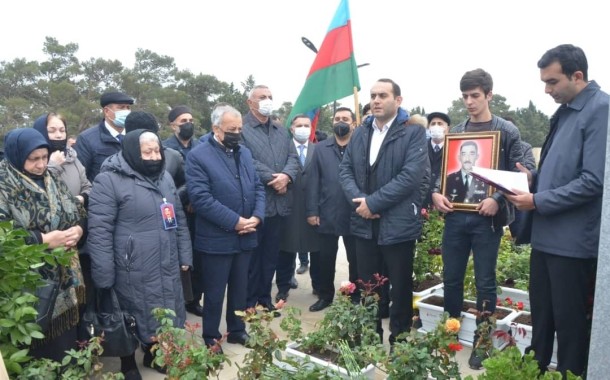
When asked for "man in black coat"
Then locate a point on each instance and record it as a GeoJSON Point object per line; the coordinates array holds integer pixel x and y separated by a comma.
{"type": "Point", "coordinates": [381, 174]}
{"type": "Point", "coordinates": [328, 209]}
{"type": "Point", "coordinates": [297, 235]}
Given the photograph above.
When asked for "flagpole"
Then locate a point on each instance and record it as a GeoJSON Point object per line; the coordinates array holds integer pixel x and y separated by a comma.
{"type": "Point", "coordinates": [356, 106]}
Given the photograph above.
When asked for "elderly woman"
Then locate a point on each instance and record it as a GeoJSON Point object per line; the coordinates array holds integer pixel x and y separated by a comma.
{"type": "Point", "coordinates": [62, 159]}
{"type": "Point", "coordinates": [40, 203]}
{"type": "Point", "coordinates": [132, 248]}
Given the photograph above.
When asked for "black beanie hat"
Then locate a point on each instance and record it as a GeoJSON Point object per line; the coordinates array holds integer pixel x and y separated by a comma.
{"type": "Point", "coordinates": [141, 120]}
{"type": "Point", "coordinates": [177, 111]}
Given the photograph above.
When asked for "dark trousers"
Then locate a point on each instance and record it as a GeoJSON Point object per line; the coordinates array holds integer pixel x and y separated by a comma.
{"type": "Point", "coordinates": [329, 245]}
{"type": "Point", "coordinates": [559, 290]}
{"type": "Point", "coordinates": [220, 272]}
{"type": "Point", "coordinates": [399, 260]}
{"type": "Point", "coordinates": [196, 278]}
{"type": "Point", "coordinates": [465, 232]}
{"type": "Point", "coordinates": [286, 266]}
{"type": "Point", "coordinates": [285, 270]}
{"type": "Point", "coordinates": [264, 261]}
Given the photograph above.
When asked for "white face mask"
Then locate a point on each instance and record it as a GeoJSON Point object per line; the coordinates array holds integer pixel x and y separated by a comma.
{"type": "Point", "coordinates": [302, 134]}
{"type": "Point", "coordinates": [265, 107]}
{"type": "Point", "coordinates": [437, 132]}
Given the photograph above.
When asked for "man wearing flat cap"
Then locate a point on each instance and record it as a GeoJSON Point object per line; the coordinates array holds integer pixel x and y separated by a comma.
{"type": "Point", "coordinates": [181, 122]}
{"type": "Point", "coordinates": [438, 126]}
{"type": "Point", "coordinates": [97, 143]}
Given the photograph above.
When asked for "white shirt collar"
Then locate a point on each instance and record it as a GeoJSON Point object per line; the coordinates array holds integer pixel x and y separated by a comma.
{"type": "Point", "coordinates": [113, 131]}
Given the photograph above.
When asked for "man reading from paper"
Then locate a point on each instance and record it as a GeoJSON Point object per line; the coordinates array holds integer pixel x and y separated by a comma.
{"type": "Point", "coordinates": [460, 186]}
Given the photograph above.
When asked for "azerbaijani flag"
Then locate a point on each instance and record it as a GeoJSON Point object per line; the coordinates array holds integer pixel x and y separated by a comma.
{"type": "Point", "coordinates": [334, 73]}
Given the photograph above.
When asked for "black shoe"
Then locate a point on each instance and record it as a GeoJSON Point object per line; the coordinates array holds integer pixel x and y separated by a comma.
{"type": "Point", "coordinates": [281, 296]}
{"type": "Point", "coordinates": [476, 359]}
{"type": "Point", "coordinates": [320, 304]}
{"type": "Point", "coordinates": [238, 338]}
{"type": "Point", "coordinates": [148, 362]}
{"type": "Point", "coordinates": [194, 308]}
{"type": "Point", "coordinates": [302, 268]}
{"type": "Point", "coordinates": [294, 283]}
{"type": "Point", "coordinates": [132, 374]}
{"type": "Point", "coordinates": [273, 310]}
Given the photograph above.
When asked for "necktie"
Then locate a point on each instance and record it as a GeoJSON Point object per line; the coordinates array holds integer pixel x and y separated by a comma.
{"type": "Point", "coordinates": [120, 137]}
{"type": "Point", "coordinates": [467, 182]}
{"type": "Point", "coordinates": [436, 148]}
{"type": "Point", "coordinates": [302, 154]}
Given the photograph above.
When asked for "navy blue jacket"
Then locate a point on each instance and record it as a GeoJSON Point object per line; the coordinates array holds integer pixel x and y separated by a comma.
{"type": "Point", "coordinates": [93, 146]}
{"type": "Point", "coordinates": [397, 198]}
{"type": "Point", "coordinates": [325, 197]}
{"type": "Point", "coordinates": [220, 195]}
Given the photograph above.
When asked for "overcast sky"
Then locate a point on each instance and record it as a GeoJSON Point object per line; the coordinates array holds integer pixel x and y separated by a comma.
{"type": "Point", "coordinates": [424, 45]}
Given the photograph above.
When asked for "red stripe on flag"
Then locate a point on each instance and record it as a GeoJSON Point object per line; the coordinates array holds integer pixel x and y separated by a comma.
{"type": "Point", "coordinates": [336, 47]}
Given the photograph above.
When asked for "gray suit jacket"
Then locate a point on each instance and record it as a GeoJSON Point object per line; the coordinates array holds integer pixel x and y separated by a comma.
{"type": "Point", "coordinates": [272, 154]}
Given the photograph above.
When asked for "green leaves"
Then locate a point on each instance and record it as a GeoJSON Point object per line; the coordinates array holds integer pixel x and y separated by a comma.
{"type": "Point", "coordinates": [19, 264]}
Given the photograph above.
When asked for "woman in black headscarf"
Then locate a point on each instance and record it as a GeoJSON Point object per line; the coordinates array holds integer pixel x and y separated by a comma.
{"type": "Point", "coordinates": [40, 203]}
{"type": "Point", "coordinates": [135, 248]}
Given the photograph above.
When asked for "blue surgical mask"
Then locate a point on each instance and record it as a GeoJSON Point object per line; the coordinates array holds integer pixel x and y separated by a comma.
{"type": "Point", "coordinates": [120, 116]}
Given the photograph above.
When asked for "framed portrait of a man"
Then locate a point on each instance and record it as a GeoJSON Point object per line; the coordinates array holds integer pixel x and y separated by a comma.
{"type": "Point", "coordinates": [462, 152]}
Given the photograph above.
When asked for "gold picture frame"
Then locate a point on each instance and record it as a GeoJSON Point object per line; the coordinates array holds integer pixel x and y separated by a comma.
{"type": "Point", "coordinates": [461, 152]}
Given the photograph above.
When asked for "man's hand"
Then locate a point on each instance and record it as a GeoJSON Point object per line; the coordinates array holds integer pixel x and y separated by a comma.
{"type": "Point", "coordinates": [363, 209]}
{"type": "Point", "coordinates": [246, 226]}
{"type": "Point", "coordinates": [525, 170]}
{"type": "Point", "coordinates": [279, 182]}
{"type": "Point", "coordinates": [441, 203]}
{"type": "Point", "coordinates": [313, 220]}
{"type": "Point", "coordinates": [523, 200]}
{"type": "Point", "coordinates": [488, 207]}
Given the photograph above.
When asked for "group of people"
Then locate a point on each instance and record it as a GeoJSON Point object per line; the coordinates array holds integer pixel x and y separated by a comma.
{"type": "Point", "coordinates": [235, 207]}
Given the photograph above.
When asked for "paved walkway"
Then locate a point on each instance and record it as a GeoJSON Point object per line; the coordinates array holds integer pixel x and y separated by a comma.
{"type": "Point", "coordinates": [301, 298]}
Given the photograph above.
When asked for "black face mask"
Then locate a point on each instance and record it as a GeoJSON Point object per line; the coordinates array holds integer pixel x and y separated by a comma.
{"type": "Point", "coordinates": [341, 129]}
{"type": "Point", "coordinates": [186, 131]}
{"type": "Point", "coordinates": [231, 140]}
{"type": "Point", "coordinates": [57, 145]}
{"type": "Point", "coordinates": [152, 168]}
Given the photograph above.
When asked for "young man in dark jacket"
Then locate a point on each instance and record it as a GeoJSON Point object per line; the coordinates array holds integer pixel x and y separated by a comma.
{"type": "Point", "coordinates": [481, 231]}
{"type": "Point", "coordinates": [381, 174]}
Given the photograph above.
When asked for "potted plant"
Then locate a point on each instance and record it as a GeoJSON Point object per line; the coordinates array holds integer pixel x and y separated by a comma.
{"type": "Point", "coordinates": [520, 334]}
{"type": "Point", "coordinates": [419, 356]}
{"type": "Point", "coordinates": [428, 262]}
{"type": "Point", "coordinates": [511, 364]}
{"type": "Point", "coordinates": [512, 271]}
{"type": "Point", "coordinates": [431, 310]}
{"type": "Point", "coordinates": [182, 352]}
{"type": "Point", "coordinates": [345, 322]}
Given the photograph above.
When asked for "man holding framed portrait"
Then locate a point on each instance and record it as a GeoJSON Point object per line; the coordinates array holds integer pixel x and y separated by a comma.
{"type": "Point", "coordinates": [474, 221]}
